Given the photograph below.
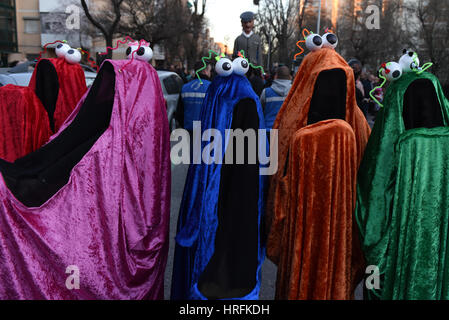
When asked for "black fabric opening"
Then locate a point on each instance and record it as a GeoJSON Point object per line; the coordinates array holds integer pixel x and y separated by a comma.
{"type": "Point", "coordinates": [36, 177]}
{"type": "Point", "coordinates": [47, 88]}
{"type": "Point", "coordinates": [232, 269]}
{"type": "Point", "coordinates": [421, 106]}
{"type": "Point", "coordinates": [329, 97]}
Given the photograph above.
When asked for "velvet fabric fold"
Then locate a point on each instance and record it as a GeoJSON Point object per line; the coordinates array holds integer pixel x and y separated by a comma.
{"type": "Point", "coordinates": [219, 250]}
{"type": "Point", "coordinates": [24, 124]}
{"type": "Point", "coordinates": [317, 251]}
{"type": "Point", "coordinates": [401, 194]}
{"type": "Point", "coordinates": [59, 85]}
{"type": "Point", "coordinates": [323, 89]}
{"type": "Point", "coordinates": [110, 220]}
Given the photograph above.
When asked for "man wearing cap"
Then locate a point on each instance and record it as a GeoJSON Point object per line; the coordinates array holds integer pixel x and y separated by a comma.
{"type": "Point", "coordinates": [248, 40]}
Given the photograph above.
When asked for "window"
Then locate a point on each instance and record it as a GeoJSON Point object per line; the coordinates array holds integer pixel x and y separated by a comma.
{"type": "Point", "coordinates": [32, 25]}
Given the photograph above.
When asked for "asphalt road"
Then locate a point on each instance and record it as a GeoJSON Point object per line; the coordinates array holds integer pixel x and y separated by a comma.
{"type": "Point", "coordinates": [267, 292]}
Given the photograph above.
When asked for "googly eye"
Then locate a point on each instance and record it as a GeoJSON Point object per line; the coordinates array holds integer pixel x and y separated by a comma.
{"type": "Point", "coordinates": [224, 67]}
{"type": "Point", "coordinates": [143, 53]}
{"type": "Point", "coordinates": [409, 61]}
{"type": "Point", "coordinates": [61, 49]}
{"type": "Point", "coordinates": [314, 42]}
{"type": "Point", "coordinates": [73, 56]}
{"type": "Point", "coordinates": [130, 50]}
{"type": "Point", "coordinates": [240, 66]}
{"type": "Point", "coordinates": [392, 71]}
{"type": "Point", "coordinates": [330, 40]}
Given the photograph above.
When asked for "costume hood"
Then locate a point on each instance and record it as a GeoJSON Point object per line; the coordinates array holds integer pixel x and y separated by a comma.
{"type": "Point", "coordinates": [281, 87]}
{"type": "Point", "coordinates": [321, 115]}
{"type": "Point", "coordinates": [95, 200]}
{"type": "Point", "coordinates": [24, 123]}
{"type": "Point", "coordinates": [401, 186]}
{"type": "Point", "coordinates": [218, 245]}
{"type": "Point", "coordinates": [59, 85]}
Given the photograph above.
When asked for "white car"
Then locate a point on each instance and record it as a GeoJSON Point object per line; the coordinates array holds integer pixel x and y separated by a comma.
{"type": "Point", "coordinates": [171, 84]}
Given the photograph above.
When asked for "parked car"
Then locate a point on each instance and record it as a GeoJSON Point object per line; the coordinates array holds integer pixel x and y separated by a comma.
{"type": "Point", "coordinates": [171, 87]}
{"type": "Point", "coordinates": [23, 77]}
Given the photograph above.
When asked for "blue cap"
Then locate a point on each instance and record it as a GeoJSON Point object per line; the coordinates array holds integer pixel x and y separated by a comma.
{"type": "Point", "coordinates": [247, 16]}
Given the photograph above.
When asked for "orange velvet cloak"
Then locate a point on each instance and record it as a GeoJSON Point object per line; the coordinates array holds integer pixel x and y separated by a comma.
{"type": "Point", "coordinates": [311, 199]}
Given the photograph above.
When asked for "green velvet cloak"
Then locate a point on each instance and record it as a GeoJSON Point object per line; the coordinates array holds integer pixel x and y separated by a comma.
{"type": "Point", "coordinates": [402, 203]}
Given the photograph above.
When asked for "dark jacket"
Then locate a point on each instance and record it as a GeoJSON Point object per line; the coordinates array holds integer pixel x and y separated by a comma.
{"type": "Point", "coordinates": [252, 47]}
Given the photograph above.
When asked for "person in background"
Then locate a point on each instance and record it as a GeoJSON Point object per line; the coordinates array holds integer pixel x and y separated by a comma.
{"type": "Point", "coordinates": [356, 66]}
{"type": "Point", "coordinates": [256, 79]}
{"type": "Point", "coordinates": [191, 98]}
{"type": "Point", "coordinates": [273, 97]}
{"type": "Point", "coordinates": [248, 40]}
{"type": "Point", "coordinates": [180, 71]}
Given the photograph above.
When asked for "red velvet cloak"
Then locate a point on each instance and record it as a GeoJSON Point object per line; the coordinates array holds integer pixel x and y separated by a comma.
{"type": "Point", "coordinates": [61, 86]}
{"type": "Point", "coordinates": [24, 124]}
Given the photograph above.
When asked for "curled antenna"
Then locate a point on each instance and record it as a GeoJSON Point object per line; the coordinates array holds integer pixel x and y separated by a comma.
{"type": "Point", "coordinates": [242, 55]}
{"type": "Point", "coordinates": [141, 42]}
{"type": "Point", "coordinates": [205, 64]}
{"type": "Point", "coordinates": [47, 44]}
{"type": "Point", "coordinates": [425, 66]}
{"type": "Point", "coordinates": [378, 87]}
{"type": "Point", "coordinates": [89, 59]}
{"type": "Point", "coordinates": [124, 41]}
{"type": "Point", "coordinates": [304, 31]}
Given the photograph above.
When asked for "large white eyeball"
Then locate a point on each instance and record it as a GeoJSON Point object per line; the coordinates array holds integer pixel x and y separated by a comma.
{"type": "Point", "coordinates": [314, 42]}
{"type": "Point", "coordinates": [330, 40]}
{"type": "Point", "coordinates": [240, 66]}
{"type": "Point", "coordinates": [143, 53]}
{"type": "Point", "coordinates": [73, 56]}
{"type": "Point", "coordinates": [409, 61]}
{"type": "Point", "coordinates": [224, 67]}
{"type": "Point", "coordinates": [61, 49]}
{"type": "Point", "coordinates": [392, 71]}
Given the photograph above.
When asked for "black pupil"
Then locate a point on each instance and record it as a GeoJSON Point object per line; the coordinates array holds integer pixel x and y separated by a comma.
{"type": "Point", "coordinates": [141, 51]}
{"type": "Point", "coordinates": [331, 38]}
{"type": "Point", "coordinates": [71, 51]}
{"type": "Point", "coordinates": [59, 46]}
{"type": "Point", "coordinates": [396, 74]}
{"type": "Point", "coordinates": [128, 51]}
{"type": "Point", "coordinates": [244, 64]}
{"type": "Point", "coordinates": [226, 66]}
{"type": "Point", "coordinates": [317, 40]}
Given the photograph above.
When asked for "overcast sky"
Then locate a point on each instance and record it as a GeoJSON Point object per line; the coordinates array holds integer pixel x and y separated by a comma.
{"type": "Point", "coordinates": [224, 18]}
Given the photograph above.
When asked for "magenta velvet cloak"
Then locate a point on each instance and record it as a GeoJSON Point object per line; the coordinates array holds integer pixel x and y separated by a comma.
{"type": "Point", "coordinates": [110, 219]}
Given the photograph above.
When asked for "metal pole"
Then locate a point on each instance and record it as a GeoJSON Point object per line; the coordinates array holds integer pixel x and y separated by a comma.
{"type": "Point", "coordinates": [269, 52]}
{"type": "Point", "coordinates": [319, 19]}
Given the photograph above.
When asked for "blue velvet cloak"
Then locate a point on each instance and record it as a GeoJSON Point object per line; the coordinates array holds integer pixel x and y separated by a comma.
{"type": "Point", "coordinates": [212, 257]}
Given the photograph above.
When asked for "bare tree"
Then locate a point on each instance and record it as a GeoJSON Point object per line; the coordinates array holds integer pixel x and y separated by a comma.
{"type": "Point", "coordinates": [433, 30]}
{"type": "Point", "coordinates": [371, 46]}
{"type": "Point", "coordinates": [107, 21]}
{"type": "Point", "coordinates": [154, 20]}
{"type": "Point", "coordinates": [278, 24]}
